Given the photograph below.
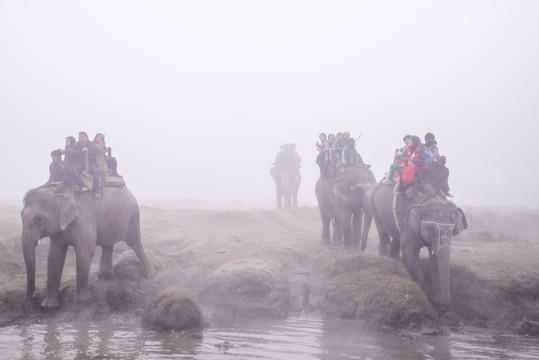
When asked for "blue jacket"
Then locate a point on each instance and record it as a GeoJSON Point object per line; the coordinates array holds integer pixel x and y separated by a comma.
{"type": "Point", "coordinates": [431, 156]}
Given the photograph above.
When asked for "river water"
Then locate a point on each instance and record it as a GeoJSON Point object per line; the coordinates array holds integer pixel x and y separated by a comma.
{"type": "Point", "coordinates": [297, 338]}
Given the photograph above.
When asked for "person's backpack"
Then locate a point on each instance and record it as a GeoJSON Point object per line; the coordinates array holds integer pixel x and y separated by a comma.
{"type": "Point", "coordinates": [408, 173]}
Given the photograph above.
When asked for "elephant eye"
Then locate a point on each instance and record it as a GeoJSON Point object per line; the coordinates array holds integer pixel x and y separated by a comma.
{"type": "Point", "coordinates": [39, 219]}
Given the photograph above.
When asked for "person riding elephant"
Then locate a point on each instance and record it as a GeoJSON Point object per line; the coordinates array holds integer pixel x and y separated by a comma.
{"type": "Point", "coordinates": [351, 158]}
{"type": "Point", "coordinates": [285, 173]}
{"type": "Point", "coordinates": [426, 220]}
{"type": "Point", "coordinates": [83, 154]}
{"type": "Point", "coordinates": [84, 222]}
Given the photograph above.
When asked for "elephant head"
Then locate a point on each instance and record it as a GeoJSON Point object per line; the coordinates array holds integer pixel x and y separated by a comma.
{"type": "Point", "coordinates": [352, 204]}
{"type": "Point", "coordinates": [435, 222]}
{"type": "Point", "coordinates": [44, 214]}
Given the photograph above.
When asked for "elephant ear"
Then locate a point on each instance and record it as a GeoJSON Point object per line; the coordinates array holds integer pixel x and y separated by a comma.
{"type": "Point", "coordinates": [66, 210]}
{"type": "Point", "coordinates": [461, 222]}
{"type": "Point", "coordinates": [413, 218]}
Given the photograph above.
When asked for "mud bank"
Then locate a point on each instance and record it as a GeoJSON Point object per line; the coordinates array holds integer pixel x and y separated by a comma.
{"type": "Point", "coordinates": [272, 264]}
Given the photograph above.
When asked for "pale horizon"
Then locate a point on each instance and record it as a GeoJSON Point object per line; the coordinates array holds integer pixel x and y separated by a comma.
{"type": "Point", "coordinates": [195, 98]}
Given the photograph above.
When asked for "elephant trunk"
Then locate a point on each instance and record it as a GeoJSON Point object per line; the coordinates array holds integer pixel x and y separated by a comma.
{"type": "Point", "coordinates": [29, 241]}
{"type": "Point", "coordinates": [442, 257]}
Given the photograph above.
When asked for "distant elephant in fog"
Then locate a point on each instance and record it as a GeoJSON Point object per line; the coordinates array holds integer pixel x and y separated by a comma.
{"type": "Point", "coordinates": [430, 221]}
{"type": "Point", "coordinates": [82, 221]}
{"type": "Point", "coordinates": [286, 175]}
{"type": "Point", "coordinates": [353, 206]}
{"type": "Point", "coordinates": [326, 205]}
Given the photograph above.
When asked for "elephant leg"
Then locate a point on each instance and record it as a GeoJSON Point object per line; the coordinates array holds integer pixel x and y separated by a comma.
{"type": "Point", "coordinates": [384, 238]}
{"type": "Point", "coordinates": [325, 230]}
{"type": "Point", "coordinates": [346, 226]}
{"type": "Point", "coordinates": [105, 264]}
{"type": "Point", "coordinates": [367, 221]}
{"type": "Point", "coordinates": [410, 256]}
{"type": "Point", "coordinates": [287, 200]}
{"type": "Point", "coordinates": [394, 247]}
{"type": "Point", "coordinates": [55, 267]}
{"type": "Point", "coordinates": [84, 252]}
{"type": "Point", "coordinates": [279, 194]}
{"type": "Point", "coordinates": [337, 234]}
{"type": "Point", "coordinates": [148, 270]}
{"type": "Point", "coordinates": [357, 220]}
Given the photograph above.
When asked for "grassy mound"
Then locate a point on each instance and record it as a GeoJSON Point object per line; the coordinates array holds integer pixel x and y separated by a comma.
{"type": "Point", "coordinates": [378, 291]}
{"type": "Point", "coordinates": [174, 310]}
{"type": "Point", "coordinates": [248, 288]}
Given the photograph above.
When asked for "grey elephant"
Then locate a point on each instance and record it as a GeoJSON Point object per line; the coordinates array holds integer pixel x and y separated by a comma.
{"type": "Point", "coordinates": [82, 221]}
{"type": "Point", "coordinates": [286, 175]}
{"type": "Point", "coordinates": [324, 195]}
{"type": "Point", "coordinates": [353, 207]}
{"type": "Point", "coordinates": [410, 224]}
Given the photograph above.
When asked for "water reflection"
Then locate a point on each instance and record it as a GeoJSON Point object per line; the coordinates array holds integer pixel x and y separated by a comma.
{"type": "Point", "coordinates": [295, 338]}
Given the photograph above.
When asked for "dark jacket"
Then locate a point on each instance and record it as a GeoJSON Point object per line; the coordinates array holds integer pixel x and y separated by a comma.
{"type": "Point", "coordinates": [58, 171]}
{"type": "Point", "coordinates": [76, 155]}
{"type": "Point", "coordinates": [435, 174]}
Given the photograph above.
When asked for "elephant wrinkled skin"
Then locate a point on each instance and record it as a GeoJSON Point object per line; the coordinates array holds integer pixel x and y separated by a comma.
{"type": "Point", "coordinates": [82, 221]}
{"type": "Point", "coordinates": [430, 222]}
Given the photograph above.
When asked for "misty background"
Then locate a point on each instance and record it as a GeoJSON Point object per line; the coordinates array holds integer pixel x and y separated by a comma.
{"type": "Point", "coordinates": [195, 97]}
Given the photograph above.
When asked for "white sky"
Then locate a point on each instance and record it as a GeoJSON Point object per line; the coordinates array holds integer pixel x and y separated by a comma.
{"type": "Point", "coordinates": [195, 97]}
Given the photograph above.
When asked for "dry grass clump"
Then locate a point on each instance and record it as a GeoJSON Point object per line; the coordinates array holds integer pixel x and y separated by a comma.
{"type": "Point", "coordinates": [377, 291]}
{"type": "Point", "coordinates": [248, 288]}
{"type": "Point", "coordinates": [174, 310]}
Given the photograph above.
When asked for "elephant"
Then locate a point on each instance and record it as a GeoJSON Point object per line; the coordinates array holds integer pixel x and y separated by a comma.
{"type": "Point", "coordinates": [287, 178]}
{"type": "Point", "coordinates": [423, 220]}
{"type": "Point", "coordinates": [324, 195]}
{"type": "Point", "coordinates": [353, 207]}
{"type": "Point", "coordinates": [81, 220]}
{"type": "Point", "coordinates": [344, 200]}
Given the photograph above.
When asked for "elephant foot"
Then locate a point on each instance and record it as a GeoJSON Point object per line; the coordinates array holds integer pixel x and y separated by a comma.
{"type": "Point", "coordinates": [148, 271]}
{"type": "Point", "coordinates": [50, 302]}
{"type": "Point", "coordinates": [82, 297]}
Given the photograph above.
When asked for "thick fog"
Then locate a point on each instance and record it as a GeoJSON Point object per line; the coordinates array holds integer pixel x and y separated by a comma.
{"type": "Point", "coordinates": [196, 97]}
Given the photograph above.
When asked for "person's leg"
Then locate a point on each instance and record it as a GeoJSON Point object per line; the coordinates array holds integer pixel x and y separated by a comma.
{"type": "Point", "coordinates": [77, 171]}
{"type": "Point", "coordinates": [68, 180]}
{"type": "Point", "coordinates": [95, 174]}
{"type": "Point", "coordinates": [325, 168]}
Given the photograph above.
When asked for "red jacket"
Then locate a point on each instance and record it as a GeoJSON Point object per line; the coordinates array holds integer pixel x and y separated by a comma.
{"type": "Point", "coordinates": [417, 156]}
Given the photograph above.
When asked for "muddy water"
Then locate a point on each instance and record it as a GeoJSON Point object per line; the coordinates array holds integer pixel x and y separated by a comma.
{"type": "Point", "coordinates": [295, 338]}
